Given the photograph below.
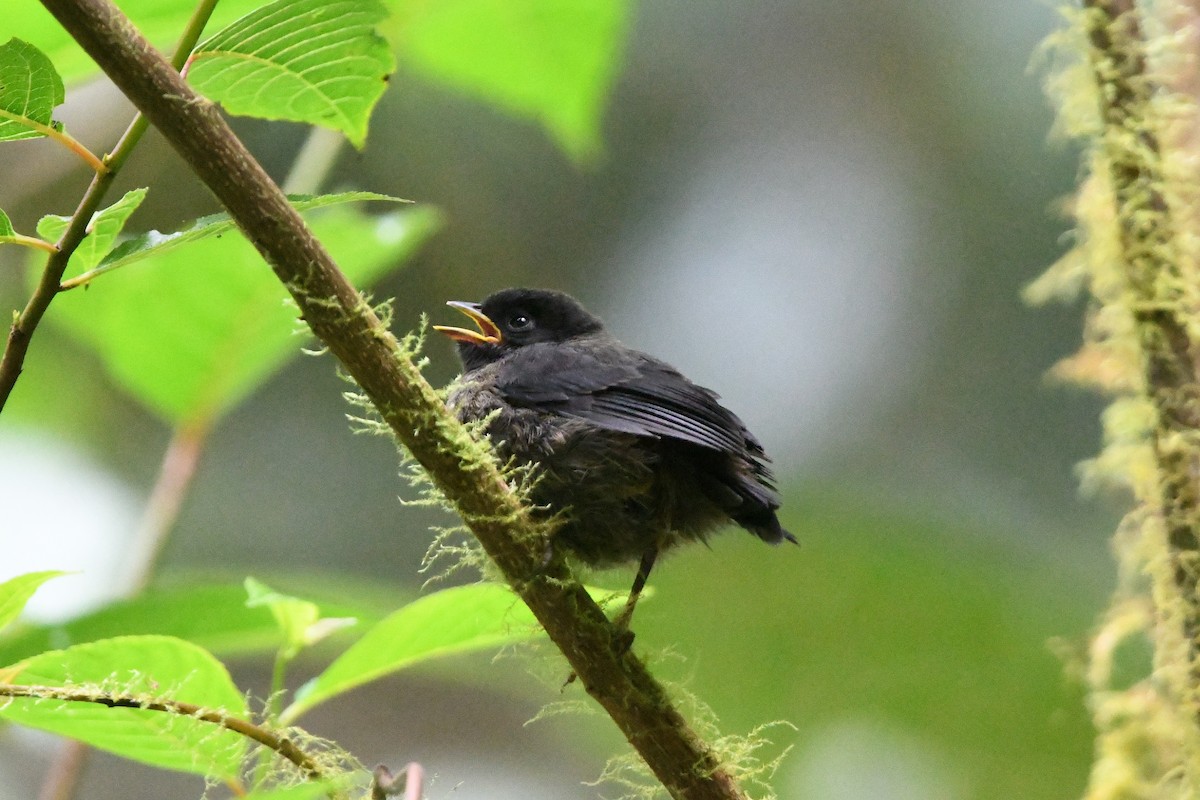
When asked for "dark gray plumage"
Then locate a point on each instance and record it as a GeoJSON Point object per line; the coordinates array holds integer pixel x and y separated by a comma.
{"type": "Point", "coordinates": [641, 457]}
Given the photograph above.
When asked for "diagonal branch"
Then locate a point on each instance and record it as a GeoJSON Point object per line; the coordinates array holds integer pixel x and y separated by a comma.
{"type": "Point", "coordinates": [461, 467]}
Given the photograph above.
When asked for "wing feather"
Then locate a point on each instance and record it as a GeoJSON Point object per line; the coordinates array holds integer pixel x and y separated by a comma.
{"type": "Point", "coordinates": [625, 391]}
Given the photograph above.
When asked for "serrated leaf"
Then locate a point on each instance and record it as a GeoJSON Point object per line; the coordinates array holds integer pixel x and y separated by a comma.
{"type": "Point", "coordinates": [553, 61]}
{"type": "Point", "coordinates": [15, 593]}
{"type": "Point", "coordinates": [30, 90]}
{"type": "Point", "coordinates": [148, 668]}
{"type": "Point", "coordinates": [103, 230]}
{"type": "Point", "coordinates": [459, 620]}
{"type": "Point", "coordinates": [193, 330]}
{"type": "Point", "coordinates": [52, 226]}
{"type": "Point", "coordinates": [318, 62]}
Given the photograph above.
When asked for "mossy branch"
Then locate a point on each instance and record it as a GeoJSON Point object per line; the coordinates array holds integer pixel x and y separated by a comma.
{"type": "Point", "coordinates": [1161, 291]}
{"type": "Point", "coordinates": [463, 468]}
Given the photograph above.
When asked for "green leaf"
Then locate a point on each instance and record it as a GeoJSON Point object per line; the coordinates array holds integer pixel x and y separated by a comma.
{"type": "Point", "coordinates": [30, 89]}
{"type": "Point", "coordinates": [102, 233]}
{"type": "Point", "coordinates": [291, 614]}
{"type": "Point", "coordinates": [318, 62]}
{"type": "Point", "coordinates": [553, 61]}
{"type": "Point", "coordinates": [15, 593]}
{"type": "Point", "coordinates": [148, 668]}
{"type": "Point", "coordinates": [195, 329]}
{"type": "Point", "coordinates": [459, 620]}
{"type": "Point", "coordinates": [52, 226]}
{"type": "Point", "coordinates": [299, 620]}
{"type": "Point", "coordinates": [213, 616]}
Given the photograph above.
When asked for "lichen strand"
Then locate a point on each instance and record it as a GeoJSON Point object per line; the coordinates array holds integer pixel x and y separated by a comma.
{"type": "Point", "coordinates": [1139, 266]}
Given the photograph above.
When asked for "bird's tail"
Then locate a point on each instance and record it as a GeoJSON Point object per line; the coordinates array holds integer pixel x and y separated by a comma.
{"type": "Point", "coordinates": [765, 525]}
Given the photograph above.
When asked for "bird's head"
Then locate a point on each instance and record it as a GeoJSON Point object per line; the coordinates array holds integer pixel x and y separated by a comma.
{"type": "Point", "coordinates": [514, 318]}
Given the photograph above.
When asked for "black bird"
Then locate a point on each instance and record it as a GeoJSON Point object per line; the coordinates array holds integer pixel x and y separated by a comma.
{"type": "Point", "coordinates": [636, 456]}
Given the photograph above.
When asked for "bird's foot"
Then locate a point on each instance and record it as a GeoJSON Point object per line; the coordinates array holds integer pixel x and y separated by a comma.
{"type": "Point", "coordinates": [622, 642]}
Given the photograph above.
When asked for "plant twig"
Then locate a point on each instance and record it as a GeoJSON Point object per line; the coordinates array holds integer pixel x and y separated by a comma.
{"type": "Point", "coordinates": [62, 137]}
{"type": "Point", "coordinates": [312, 164]}
{"type": "Point", "coordinates": [48, 287]}
{"type": "Point", "coordinates": [1160, 306]}
{"type": "Point", "coordinates": [31, 241]}
{"type": "Point", "coordinates": [464, 469]}
{"type": "Point", "coordinates": [264, 736]}
{"type": "Point", "coordinates": [166, 499]}
{"type": "Point", "coordinates": [65, 769]}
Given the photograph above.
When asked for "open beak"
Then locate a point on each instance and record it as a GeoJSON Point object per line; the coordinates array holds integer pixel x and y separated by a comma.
{"type": "Point", "coordinates": [488, 333]}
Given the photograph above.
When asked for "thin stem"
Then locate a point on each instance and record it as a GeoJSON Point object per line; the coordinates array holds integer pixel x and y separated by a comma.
{"type": "Point", "coordinates": [62, 137]}
{"type": "Point", "coordinates": [81, 279]}
{"type": "Point", "coordinates": [316, 158]}
{"type": "Point", "coordinates": [274, 706]}
{"type": "Point", "coordinates": [77, 147]}
{"type": "Point", "coordinates": [278, 684]}
{"type": "Point", "coordinates": [22, 330]}
{"type": "Point", "coordinates": [414, 781]}
{"type": "Point", "coordinates": [84, 278]}
{"type": "Point", "coordinates": [166, 500]}
{"type": "Point", "coordinates": [264, 736]}
{"type": "Point", "coordinates": [29, 241]}
{"type": "Point", "coordinates": [65, 770]}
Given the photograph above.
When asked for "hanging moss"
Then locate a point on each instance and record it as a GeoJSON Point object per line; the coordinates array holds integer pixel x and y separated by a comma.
{"type": "Point", "coordinates": [1119, 85]}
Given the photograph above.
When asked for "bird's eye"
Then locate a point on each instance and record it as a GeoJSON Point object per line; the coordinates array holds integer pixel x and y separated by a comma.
{"type": "Point", "coordinates": [519, 322]}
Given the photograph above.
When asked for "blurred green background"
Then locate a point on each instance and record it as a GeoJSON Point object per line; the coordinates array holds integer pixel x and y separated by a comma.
{"type": "Point", "coordinates": [825, 211]}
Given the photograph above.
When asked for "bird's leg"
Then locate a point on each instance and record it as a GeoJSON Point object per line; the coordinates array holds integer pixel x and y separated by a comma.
{"type": "Point", "coordinates": [624, 637]}
{"type": "Point", "coordinates": [639, 583]}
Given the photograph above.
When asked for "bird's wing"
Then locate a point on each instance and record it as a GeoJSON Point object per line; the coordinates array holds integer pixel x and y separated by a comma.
{"type": "Point", "coordinates": [549, 375]}
{"type": "Point", "coordinates": [626, 391]}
